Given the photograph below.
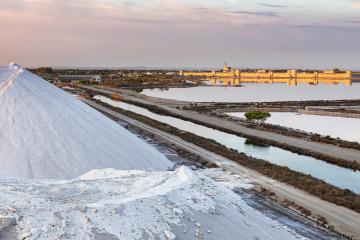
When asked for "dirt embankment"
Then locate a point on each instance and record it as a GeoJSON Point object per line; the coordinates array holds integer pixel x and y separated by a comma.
{"type": "Point", "coordinates": [293, 133]}
{"type": "Point", "coordinates": [296, 105]}
{"type": "Point", "coordinates": [333, 112]}
{"type": "Point", "coordinates": [324, 108]}
{"type": "Point", "coordinates": [354, 165]}
{"type": "Point", "coordinates": [314, 186]}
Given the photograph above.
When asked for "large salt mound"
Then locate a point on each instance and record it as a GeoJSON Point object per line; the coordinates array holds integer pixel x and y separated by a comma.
{"type": "Point", "coordinates": [47, 133]}
{"type": "Point", "coordinates": [113, 205]}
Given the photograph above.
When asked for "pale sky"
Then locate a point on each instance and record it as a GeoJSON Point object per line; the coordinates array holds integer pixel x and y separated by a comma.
{"type": "Point", "coordinates": [181, 33]}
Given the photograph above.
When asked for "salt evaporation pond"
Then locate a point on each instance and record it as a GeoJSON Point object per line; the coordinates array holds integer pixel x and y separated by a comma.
{"type": "Point", "coordinates": [252, 92]}
{"type": "Point", "coordinates": [344, 128]}
{"type": "Point", "coordinates": [337, 176]}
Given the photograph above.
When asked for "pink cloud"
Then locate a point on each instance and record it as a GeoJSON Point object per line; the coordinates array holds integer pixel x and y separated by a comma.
{"type": "Point", "coordinates": [355, 4]}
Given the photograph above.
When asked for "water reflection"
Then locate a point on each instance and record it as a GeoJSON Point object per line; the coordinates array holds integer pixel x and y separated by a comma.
{"type": "Point", "coordinates": [338, 176]}
{"type": "Point", "coordinates": [256, 92]}
{"type": "Point", "coordinates": [288, 81]}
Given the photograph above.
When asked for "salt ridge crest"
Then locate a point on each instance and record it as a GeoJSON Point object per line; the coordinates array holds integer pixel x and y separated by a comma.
{"type": "Point", "coordinates": [15, 70]}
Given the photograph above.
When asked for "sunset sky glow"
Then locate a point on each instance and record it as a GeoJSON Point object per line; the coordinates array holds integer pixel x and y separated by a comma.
{"type": "Point", "coordinates": [181, 33]}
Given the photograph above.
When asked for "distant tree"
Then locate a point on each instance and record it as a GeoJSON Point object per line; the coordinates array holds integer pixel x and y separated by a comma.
{"type": "Point", "coordinates": [44, 70]}
{"type": "Point", "coordinates": [257, 116]}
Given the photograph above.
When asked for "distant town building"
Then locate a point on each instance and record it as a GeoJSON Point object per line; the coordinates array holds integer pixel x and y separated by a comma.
{"type": "Point", "coordinates": [71, 78]}
{"type": "Point", "coordinates": [228, 72]}
{"type": "Point", "coordinates": [171, 73]}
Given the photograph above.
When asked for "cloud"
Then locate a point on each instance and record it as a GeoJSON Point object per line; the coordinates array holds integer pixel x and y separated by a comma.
{"type": "Point", "coordinates": [272, 5]}
{"type": "Point", "coordinates": [327, 27]}
{"type": "Point", "coordinates": [200, 8]}
{"type": "Point", "coordinates": [355, 4]}
{"type": "Point", "coordinates": [12, 5]}
{"type": "Point", "coordinates": [352, 21]}
{"type": "Point", "coordinates": [257, 13]}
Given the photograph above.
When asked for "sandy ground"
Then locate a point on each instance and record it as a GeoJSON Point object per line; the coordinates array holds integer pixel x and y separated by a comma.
{"type": "Point", "coordinates": [325, 149]}
{"type": "Point", "coordinates": [344, 220]}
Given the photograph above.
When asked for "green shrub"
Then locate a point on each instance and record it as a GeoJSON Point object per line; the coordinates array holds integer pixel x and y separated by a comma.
{"type": "Point", "coordinates": [257, 116]}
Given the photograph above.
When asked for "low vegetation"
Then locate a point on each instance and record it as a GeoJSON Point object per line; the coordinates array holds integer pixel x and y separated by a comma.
{"type": "Point", "coordinates": [116, 97]}
{"type": "Point", "coordinates": [257, 116]}
{"type": "Point", "coordinates": [136, 79]}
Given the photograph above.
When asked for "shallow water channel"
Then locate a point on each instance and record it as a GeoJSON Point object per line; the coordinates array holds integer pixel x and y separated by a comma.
{"type": "Point", "coordinates": [344, 128]}
{"type": "Point", "coordinates": [337, 176]}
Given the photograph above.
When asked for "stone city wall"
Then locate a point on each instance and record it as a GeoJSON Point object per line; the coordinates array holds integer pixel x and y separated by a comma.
{"type": "Point", "coordinates": [270, 74]}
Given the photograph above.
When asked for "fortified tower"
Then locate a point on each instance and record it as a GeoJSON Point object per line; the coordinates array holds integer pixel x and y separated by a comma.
{"type": "Point", "coordinates": [226, 68]}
